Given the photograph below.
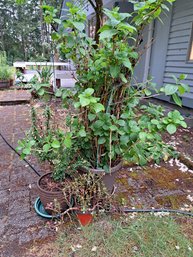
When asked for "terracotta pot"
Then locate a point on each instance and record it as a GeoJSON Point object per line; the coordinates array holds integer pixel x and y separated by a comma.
{"type": "Point", "coordinates": [84, 218]}
{"type": "Point", "coordinates": [5, 83]}
{"type": "Point", "coordinates": [47, 197]}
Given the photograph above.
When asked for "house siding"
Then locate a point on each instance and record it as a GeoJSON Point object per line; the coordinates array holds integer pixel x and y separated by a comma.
{"type": "Point", "coordinates": [178, 46]}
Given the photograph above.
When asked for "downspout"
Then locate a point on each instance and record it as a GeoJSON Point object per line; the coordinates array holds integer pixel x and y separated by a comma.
{"type": "Point", "coordinates": [149, 50]}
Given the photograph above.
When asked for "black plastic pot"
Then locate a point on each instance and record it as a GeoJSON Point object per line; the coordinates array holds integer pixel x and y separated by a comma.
{"type": "Point", "coordinates": [108, 178]}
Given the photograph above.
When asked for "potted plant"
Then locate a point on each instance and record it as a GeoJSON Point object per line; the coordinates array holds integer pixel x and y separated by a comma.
{"type": "Point", "coordinates": [7, 72]}
{"type": "Point", "coordinates": [110, 123]}
{"type": "Point", "coordinates": [49, 143]}
{"type": "Point", "coordinates": [89, 197]}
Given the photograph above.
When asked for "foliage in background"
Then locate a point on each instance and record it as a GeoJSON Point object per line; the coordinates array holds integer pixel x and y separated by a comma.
{"type": "Point", "coordinates": [6, 72]}
{"type": "Point", "coordinates": [23, 33]}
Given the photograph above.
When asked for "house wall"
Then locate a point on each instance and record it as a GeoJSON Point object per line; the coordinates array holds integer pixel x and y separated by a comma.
{"type": "Point", "coordinates": [170, 48]}
{"type": "Point", "coordinates": [178, 47]}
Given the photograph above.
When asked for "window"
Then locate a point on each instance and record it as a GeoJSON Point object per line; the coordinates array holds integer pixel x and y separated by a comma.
{"type": "Point", "coordinates": [190, 51]}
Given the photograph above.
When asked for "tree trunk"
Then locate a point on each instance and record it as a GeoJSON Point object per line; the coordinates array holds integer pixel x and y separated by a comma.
{"type": "Point", "coordinates": [98, 8]}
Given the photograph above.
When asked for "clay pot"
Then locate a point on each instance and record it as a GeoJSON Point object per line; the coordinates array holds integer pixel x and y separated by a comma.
{"type": "Point", "coordinates": [5, 83]}
{"type": "Point", "coordinates": [47, 197]}
{"type": "Point", "coordinates": [84, 218]}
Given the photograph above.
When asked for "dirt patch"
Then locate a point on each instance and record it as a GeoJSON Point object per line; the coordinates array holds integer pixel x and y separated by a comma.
{"type": "Point", "coordinates": [155, 186]}
{"type": "Point", "coordinates": [182, 141]}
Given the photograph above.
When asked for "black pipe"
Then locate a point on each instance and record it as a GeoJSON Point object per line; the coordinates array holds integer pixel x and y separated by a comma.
{"type": "Point", "coordinates": [37, 173]}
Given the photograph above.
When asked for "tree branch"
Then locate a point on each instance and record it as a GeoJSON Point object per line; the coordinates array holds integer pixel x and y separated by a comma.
{"type": "Point", "coordinates": [92, 4]}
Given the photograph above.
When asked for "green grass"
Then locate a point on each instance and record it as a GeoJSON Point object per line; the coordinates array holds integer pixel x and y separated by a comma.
{"type": "Point", "coordinates": [147, 236]}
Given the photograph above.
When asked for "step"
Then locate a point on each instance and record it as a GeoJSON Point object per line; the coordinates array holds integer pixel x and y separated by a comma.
{"type": "Point", "coordinates": [14, 97]}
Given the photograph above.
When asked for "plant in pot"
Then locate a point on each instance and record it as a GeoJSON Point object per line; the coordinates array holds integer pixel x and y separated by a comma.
{"type": "Point", "coordinates": [7, 72]}
{"type": "Point", "coordinates": [50, 144]}
{"type": "Point", "coordinates": [89, 197]}
{"type": "Point", "coordinates": [109, 123]}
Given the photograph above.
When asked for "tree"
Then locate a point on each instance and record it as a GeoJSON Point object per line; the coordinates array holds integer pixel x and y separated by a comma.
{"type": "Point", "coordinates": [98, 8]}
{"type": "Point", "coordinates": [23, 34]}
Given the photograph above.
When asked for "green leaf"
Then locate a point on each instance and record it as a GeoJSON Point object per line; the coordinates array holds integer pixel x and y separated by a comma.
{"type": "Point", "coordinates": [76, 105]}
{"type": "Point", "coordinates": [123, 78]}
{"type": "Point", "coordinates": [183, 124]}
{"type": "Point", "coordinates": [98, 124]}
{"type": "Point", "coordinates": [68, 141]}
{"type": "Point", "coordinates": [84, 101]}
{"type": "Point", "coordinates": [32, 142]}
{"type": "Point", "coordinates": [55, 36]}
{"type": "Point", "coordinates": [98, 107]}
{"type": "Point", "coordinates": [58, 21]}
{"type": "Point", "coordinates": [26, 151]}
{"type": "Point", "coordinates": [55, 144]}
{"type": "Point", "coordinates": [170, 89]}
{"type": "Point", "coordinates": [89, 91]}
{"type": "Point", "coordinates": [41, 92]}
{"type": "Point", "coordinates": [58, 93]}
{"type": "Point", "coordinates": [113, 128]}
{"type": "Point", "coordinates": [124, 139]}
{"type": "Point", "coordinates": [125, 115]}
{"type": "Point", "coordinates": [114, 70]}
{"type": "Point", "coordinates": [78, 25]}
{"type": "Point", "coordinates": [142, 135]}
{"type": "Point", "coordinates": [171, 129]}
{"type": "Point", "coordinates": [134, 55]}
{"type": "Point", "coordinates": [101, 140]}
{"type": "Point", "coordinates": [181, 90]}
{"type": "Point", "coordinates": [182, 76]}
{"type": "Point", "coordinates": [108, 33]}
{"type": "Point", "coordinates": [46, 147]}
{"type": "Point", "coordinates": [82, 133]}
{"type": "Point", "coordinates": [121, 123]}
{"type": "Point", "coordinates": [127, 64]}
{"type": "Point", "coordinates": [155, 122]}
{"type": "Point", "coordinates": [147, 92]}
{"type": "Point", "coordinates": [91, 116]}
{"type": "Point", "coordinates": [177, 99]}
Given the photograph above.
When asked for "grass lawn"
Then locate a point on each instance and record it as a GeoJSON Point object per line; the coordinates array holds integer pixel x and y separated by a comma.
{"type": "Point", "coordinates": [141, 235]}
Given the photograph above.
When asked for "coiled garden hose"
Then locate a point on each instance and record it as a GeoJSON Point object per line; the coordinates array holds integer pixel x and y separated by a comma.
{"type": "Point", "coordinates": [125, 210]}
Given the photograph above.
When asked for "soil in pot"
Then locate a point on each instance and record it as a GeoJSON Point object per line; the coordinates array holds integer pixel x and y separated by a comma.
{"type": "Point", "coordinates": [50, 192]}
{"type": "Point", "coordinates": [84, 218]}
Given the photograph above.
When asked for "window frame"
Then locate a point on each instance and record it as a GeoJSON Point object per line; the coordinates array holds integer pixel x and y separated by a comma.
{"type": "Point", "coordinates": [190, 47]}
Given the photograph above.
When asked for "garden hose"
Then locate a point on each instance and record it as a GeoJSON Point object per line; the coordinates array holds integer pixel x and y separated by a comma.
{"type": "Point", "coordinates": [37, 173]}
{"type": "Point", "coordinates": [125, 210]}
{"type": "Point", "coordinates": [186, 213]}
